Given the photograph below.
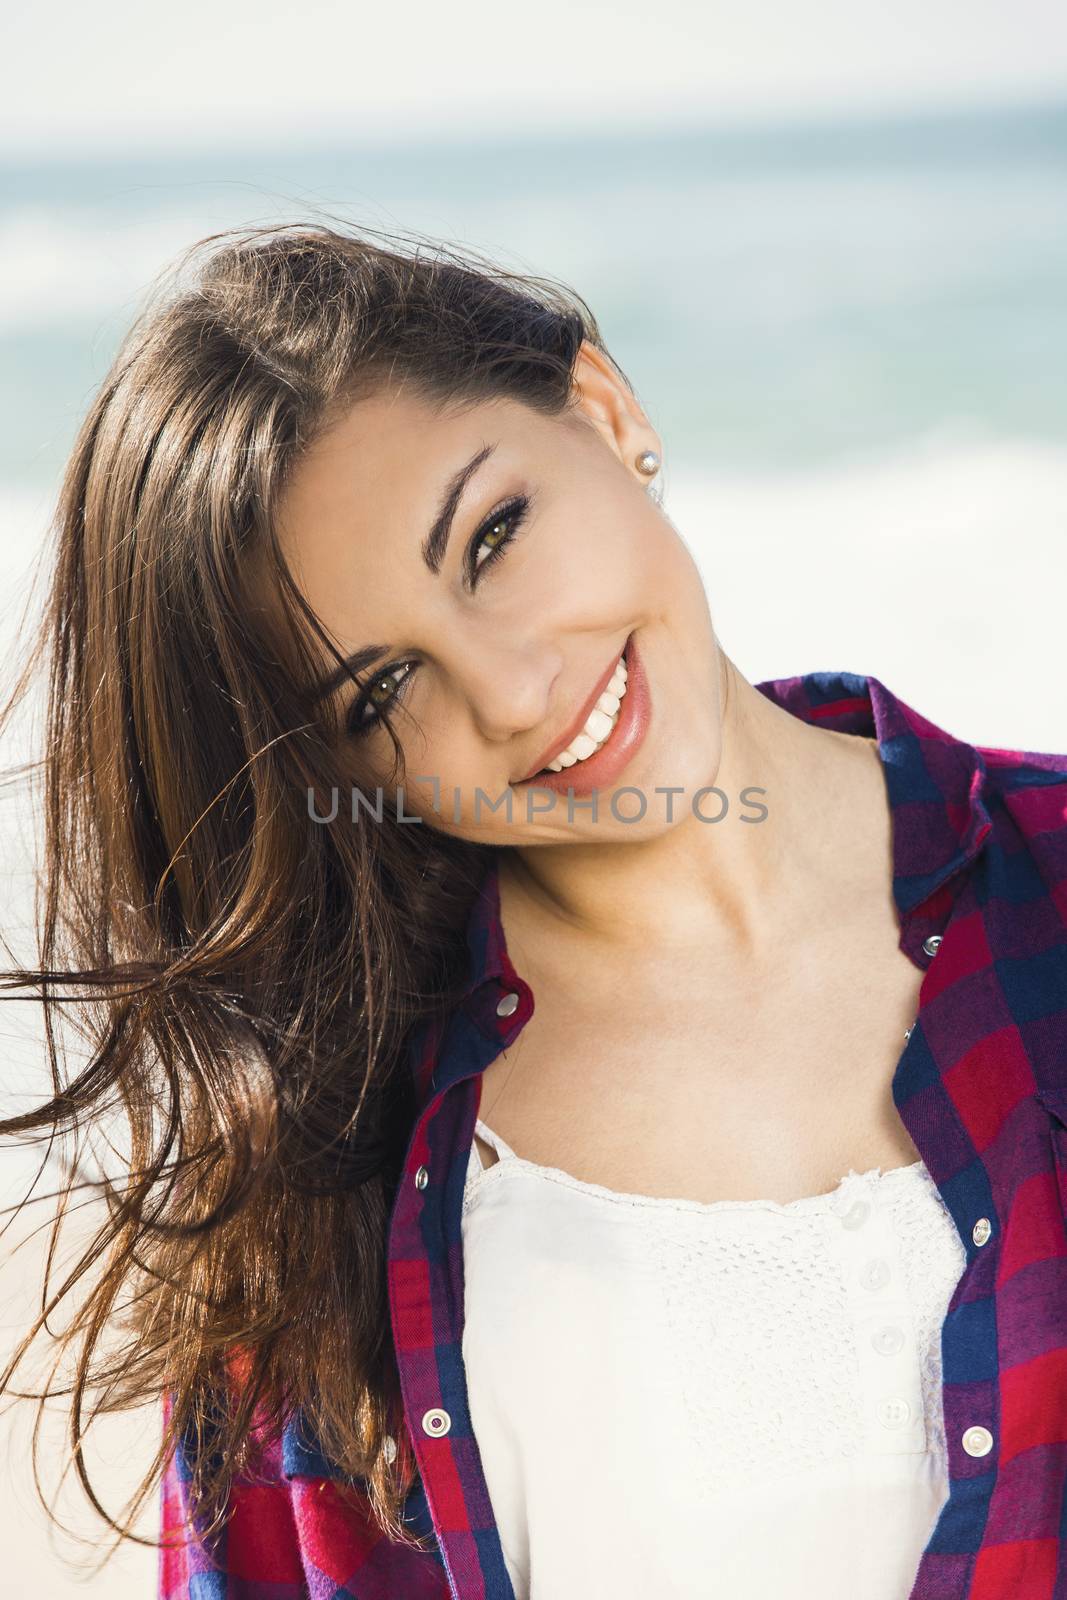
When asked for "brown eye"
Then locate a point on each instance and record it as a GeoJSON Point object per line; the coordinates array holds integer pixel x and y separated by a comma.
{"type": "Point", "coordinates": [379, 693]}
{"type": "Point", "coordinates": [495, 534]}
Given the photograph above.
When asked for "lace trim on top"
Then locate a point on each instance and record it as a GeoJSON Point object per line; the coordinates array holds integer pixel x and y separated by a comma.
{"type": "Point", "coordinates": [477, 1175]}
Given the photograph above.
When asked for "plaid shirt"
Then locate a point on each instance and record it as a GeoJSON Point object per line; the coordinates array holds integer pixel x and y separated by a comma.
{"type": "Point", "coordinates": [980, 885]}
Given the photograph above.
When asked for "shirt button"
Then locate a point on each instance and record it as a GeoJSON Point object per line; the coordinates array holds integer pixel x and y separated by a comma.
{"type": "Point", "coordinates": [894, 1413]}
{"type": "Point", "coordinates": [887, 1341]}
{"type": "Point", "coordinates": [436, 1422]}
{"type": "Point", "coordinates": [422, 1178]}
{"type": "Point", "coordinates": [506, 1006]}
{"type": "Point", "coordinates": [982, 1231]}
{"type": "Point", "coordinates": [978, 1441]}
{"type": "Point", "coordinates": [875, 1274]}
{"type": "Point", "coordinates": [856, 1215]}
{"type": "Point", "coordinates": [389, 1446]}
{"type": "Point", "coordinates": [908, 1033]}
{"type": "Point", "coordinates": [933, 944]}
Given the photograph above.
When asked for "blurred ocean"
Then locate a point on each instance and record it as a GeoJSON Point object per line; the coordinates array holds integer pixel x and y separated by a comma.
{"type": "Point", "coordinates": [783, 297]}
{"type": "Point", "coordinates": [852, 337]}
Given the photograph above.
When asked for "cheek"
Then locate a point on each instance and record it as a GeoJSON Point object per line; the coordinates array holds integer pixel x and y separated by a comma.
{"type": "Point", "coordinates": [603, 562]}
{"type": "Point", "coordinates": [441, 776]}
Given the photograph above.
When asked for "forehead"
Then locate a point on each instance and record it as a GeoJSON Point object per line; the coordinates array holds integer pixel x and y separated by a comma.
{"type": "Point", "coordinates": [384, 459]}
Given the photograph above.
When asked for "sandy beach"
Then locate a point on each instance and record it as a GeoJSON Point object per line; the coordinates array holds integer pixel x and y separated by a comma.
{"type": "Point", "coordinates": [40, 1560]}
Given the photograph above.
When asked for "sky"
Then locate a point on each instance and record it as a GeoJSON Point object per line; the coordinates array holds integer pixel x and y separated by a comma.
{"type": "Point", "coordinates": [120, 75]}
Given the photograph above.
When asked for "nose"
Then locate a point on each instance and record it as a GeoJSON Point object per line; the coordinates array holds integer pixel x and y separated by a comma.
{"type": "Point", "coordinates": [509, 688]}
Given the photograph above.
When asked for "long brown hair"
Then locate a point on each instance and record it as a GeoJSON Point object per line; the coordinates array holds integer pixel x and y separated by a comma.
{"type": "Point", "coordinates": [245, 976]}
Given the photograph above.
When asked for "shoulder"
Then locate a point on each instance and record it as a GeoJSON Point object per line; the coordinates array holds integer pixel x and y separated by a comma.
{"type": "Point", "coordinates": [1025, 797]}
{"type": "Point", "coordinates": [1031, 786]}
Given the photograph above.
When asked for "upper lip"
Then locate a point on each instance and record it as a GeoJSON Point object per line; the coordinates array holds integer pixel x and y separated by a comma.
{"type": "Point", "coordinates": [577, 722]}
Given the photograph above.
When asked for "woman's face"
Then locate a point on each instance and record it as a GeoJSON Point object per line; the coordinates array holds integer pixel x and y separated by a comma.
{"type": "Point", "coordinates": [489, 566]}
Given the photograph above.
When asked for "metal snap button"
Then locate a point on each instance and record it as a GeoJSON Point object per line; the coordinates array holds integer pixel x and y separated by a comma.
{"type": "Point", "coordinates": [422, 1178]}
{"type": "Point", "coordinates": [436, 1422]}
{"type": "Point", "coordinates": [856, 1215]}
{"type": "Point", "coordinates": [933, 944]}
{"type": "Point", "coordinates": [506, 1006]}
{"type": "Point", "coordinates": [894, 1413]}
{"type": "Point", "coordinates": [977, 1441]}
{"type": "Point", "coordinates": [875, 1274]}
{"type": "Point", "coordinates": [887, 1341]}
{"type": "Point", "coordinates": [982, 1231]}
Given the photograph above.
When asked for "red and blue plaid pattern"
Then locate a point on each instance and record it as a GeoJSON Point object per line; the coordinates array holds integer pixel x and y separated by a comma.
{"type": "Point", "coordinates": [979, 860]}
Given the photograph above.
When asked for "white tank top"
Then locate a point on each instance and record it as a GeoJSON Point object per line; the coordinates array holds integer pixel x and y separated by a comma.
{"type": "Point", "coordinates": [724, 1401]}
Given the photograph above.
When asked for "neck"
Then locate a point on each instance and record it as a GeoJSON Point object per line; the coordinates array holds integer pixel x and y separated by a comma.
{"type": "Point", "coordinates": [732, 884]}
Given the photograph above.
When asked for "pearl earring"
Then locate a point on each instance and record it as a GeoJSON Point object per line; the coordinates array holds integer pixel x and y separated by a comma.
{"type": "Point", "coordinates": [647, 462]}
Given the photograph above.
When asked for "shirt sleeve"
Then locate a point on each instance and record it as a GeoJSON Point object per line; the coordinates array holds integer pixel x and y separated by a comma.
{"type": "Point", "coordinates": [259, 1545]}
{"type": "Point", "coordinates": [298, 1537]}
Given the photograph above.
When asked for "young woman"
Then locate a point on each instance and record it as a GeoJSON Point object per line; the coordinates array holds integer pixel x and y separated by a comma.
{"type": "Point", "coordinates": [596, 1126]}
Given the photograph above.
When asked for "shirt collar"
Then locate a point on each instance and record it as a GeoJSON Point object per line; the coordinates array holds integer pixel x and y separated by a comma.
{"type": "Point", "coordinates": [935, 784]}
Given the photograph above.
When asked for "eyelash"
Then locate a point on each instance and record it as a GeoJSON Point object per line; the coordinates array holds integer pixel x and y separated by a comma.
{"type": "Point", "coordinates": [513, 511]}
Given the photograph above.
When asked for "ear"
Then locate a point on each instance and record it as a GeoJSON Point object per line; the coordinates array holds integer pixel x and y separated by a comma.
{"type": "Point", "coordinates": [603, 399]}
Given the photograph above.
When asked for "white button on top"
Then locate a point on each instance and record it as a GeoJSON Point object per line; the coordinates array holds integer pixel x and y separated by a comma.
{"type": "Point", "coordinates": [895, 1413]}
{"type": "Point", "coordinates": [856, 1215]}
{"type": "Point", "coordinates": [389, 1446]}
{"type": "Point", "coordinates": [422, 1178]}
{"type": "Point", "coordinates": [888, 1340]}
{"type": "Point", "coordinates": [874, 1274]}
{"type": "Point", "coordinates": [977, 1441]}
{"type": "Point", "coordinates": [982, 1231]}
{"type": "Point", "coordinates": [507, 1005]}
{"type": "Point", "coordinates": [933, 944]}
{"type": "Point", "coordinates": [436, 1422]}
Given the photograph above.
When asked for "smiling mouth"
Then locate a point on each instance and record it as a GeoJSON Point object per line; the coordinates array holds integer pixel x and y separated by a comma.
{"type": "Point", "coordinates": [598, 727]}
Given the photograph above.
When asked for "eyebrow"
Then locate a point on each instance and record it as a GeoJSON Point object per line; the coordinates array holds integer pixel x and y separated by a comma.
{"type": "Point", "coordinates": [435, 544]}
{"type": "Point", "coordinates": [433, 550]}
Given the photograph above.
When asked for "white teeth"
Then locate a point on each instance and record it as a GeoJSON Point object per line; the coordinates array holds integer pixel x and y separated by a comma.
{"type": "Point", "coordinates": [598, 725]}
